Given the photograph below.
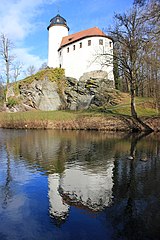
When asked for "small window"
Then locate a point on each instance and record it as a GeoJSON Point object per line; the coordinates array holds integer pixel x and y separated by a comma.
{"type": "Point", "coordinates": [60, 66]}
{"type": "Point", "coordinates": [89, 42]}
{"type": "Point", "coordinates": [60, 53]}
{"type": "Point", "coordinates": [110, 44]}
{"type": "Point", "coordinates": [100, 41]}
{"type": "Point", "coordinates": [74, 47]}
{"type": "Point", "coordinates": [68, 50]}
{"type": "Point", "coordinates": [80, 45]}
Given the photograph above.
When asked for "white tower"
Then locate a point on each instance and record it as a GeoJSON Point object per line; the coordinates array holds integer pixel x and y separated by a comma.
{"type": "Point", "coordinates": [57, 30]}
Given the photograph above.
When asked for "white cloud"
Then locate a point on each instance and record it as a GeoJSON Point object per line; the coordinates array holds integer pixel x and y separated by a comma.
{"type": "Point", "coordinates": [25, 56]}
{"type": "Point", "coordinates": [16, 17]}
{"type": "Point", "coordinates": [18, 21]}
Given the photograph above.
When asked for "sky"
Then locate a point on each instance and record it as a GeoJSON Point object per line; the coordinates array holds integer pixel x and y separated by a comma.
{"type": "Point", "coordinates": [25, 22]}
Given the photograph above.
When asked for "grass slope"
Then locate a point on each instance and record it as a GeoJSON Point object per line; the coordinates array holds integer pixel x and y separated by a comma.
{"type": "Point", "coordinates": [144, 106]}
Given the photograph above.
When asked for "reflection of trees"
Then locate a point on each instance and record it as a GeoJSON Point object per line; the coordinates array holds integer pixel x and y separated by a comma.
{"type": "Point", "coordinates": [7, 188]}
{"type": "Point", "coordinates": [50, 150]}
{"type": "Point", "coordinates": [136, 191]}
{"type": "Point", "coordinates": [135, 138]}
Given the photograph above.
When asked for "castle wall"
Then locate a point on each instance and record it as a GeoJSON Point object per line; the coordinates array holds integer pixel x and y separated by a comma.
{"type": "Point", "coordinates": [86, 55]}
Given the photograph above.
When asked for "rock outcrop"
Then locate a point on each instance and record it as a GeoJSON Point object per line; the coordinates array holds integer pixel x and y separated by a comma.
{"type": "Point", "coordinates": [91, 91]}
{"type": "Point", "coordinates": [41, 94]}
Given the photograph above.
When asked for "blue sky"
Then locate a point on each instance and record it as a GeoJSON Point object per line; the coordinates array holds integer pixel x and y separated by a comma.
{"type": "Point", "coordinates": [25, 22]}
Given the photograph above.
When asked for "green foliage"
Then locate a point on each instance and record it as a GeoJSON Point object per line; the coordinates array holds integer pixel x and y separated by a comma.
{"type": "Point", "coordinates": [11, 102]}
{"type": "Point", "coordinates": [16, 88]}
{"type": "Point", "coordinates": [52, 74]}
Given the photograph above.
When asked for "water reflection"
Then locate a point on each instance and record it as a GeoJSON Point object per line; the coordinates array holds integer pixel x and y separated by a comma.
{"type": "Point", "coordinates": [114, 177]}
{"type": "Point", "coordinates": [83, 188]}
{"type": "Point", "coordinates": [58, 208]}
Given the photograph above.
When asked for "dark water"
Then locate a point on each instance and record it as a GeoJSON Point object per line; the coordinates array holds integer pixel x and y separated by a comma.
{"type": "Point", "coordinates": [79, 185]}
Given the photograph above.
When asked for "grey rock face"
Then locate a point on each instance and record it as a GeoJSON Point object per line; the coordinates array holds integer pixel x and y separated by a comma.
{"type": "Point", "coordinates": [41, 95]}
{"type": "Point", "coordinates": [92, 90]}
{"type": "Point", "coordinates": [45, 96]}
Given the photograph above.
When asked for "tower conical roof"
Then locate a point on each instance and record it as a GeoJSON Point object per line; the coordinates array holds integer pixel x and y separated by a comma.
{"type": "Point", "coordinates": [58, 21]}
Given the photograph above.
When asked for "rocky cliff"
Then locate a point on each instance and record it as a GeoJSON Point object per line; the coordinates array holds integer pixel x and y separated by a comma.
{"type": "Point", "coordinates": [50, 90]}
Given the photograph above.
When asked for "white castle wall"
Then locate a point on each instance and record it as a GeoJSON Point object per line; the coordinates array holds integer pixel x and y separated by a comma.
{"type": "Point", "coordinates": [93, 190]}
{"type": "Point", "coordinates": [56, 33]}
{"type": "Point", "coordinates": [77, 60]}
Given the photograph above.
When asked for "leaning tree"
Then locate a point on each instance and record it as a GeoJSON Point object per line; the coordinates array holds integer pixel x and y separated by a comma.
{"type": "Point", "coordinates": [131, 38]}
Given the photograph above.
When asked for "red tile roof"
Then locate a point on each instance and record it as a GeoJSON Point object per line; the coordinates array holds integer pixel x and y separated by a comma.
{"type": "Point", "coordinates": [91, 32]}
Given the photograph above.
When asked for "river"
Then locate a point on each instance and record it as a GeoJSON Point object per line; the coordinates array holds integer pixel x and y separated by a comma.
{"type": "Point", "coordinates": [67, 185]}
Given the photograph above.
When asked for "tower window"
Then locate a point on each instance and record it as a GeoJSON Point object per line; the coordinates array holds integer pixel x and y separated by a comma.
{"type": "Point", "coordinates": [74, 47]}
{"type": "Point", "coordinates": [60, 53]}
{"type": "Point", "coordinates": [110, 44]}
{"type": "Point", "coordinates": [80, 45]}
{"type": "Point", "coordinates": [89, 42]}
{"type": "Point", "coordinates": [100, 41]}
{"type": "Point", "coordinates": [68, 50]}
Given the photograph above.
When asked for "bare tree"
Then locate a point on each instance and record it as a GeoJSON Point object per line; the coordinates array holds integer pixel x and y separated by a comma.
{"type": "Point", "coordinates": [6, 47]}
{"type": "Point", "coordinates": [131, 38]}
{"type": "Point", "coordinates": [30, 70]}
{"type": "Point", "coordinates": [43, 66]}
{"type": "Point", "coordinates": [17, 68]}
{"type": "Point", "coordinates": [1, 89]}
{"type": "Point", "coordinates": [152, 16]}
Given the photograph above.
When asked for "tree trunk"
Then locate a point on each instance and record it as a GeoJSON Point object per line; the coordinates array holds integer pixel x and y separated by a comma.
{"type": "Point", "coordinates": [133, 110]}
{"type": "Point", "coordinates": [141, 126]}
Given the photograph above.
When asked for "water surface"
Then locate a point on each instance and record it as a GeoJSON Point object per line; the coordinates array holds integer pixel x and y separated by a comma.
{"type": "Point", "coordinates": [62, 185]}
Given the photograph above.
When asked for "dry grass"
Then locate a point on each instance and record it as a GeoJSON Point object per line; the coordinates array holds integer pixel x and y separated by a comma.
{"type": "Point", "coordinates": [117, 120]}
{"type": "Point", "coordinates": [65, 120]}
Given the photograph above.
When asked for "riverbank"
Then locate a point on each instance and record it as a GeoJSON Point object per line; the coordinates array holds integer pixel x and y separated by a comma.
{"type": "Point", "coordinates": [72, 120]}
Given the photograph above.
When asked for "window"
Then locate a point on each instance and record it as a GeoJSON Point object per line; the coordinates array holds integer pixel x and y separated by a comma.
{"type": "Point", "coordinates": [60, 53]}
{"type": "Point", "coordinates": [89, 42]}
{"type": "Point", "coordinates": [100, 41]}
{"type": "Point", "coordinates": [74, 47]}
{"type": "Point", "coordinates": [80, 45]}
{"type": "Point", "coordinates": [110, 44]}
{"type": "Point", "coordinates": [68, 50]}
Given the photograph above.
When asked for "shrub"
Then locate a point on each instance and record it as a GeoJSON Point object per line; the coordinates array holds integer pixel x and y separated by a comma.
{"type": "Point", "coordinates": [11, 102]}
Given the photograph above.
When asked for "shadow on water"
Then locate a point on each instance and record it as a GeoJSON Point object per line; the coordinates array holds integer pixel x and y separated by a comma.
{"type": "Point", "coordinates": [109, 181]}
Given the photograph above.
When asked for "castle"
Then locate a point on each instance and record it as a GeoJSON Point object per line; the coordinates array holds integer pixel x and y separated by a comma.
{"type": "Point", "coordinates": [81, 52]}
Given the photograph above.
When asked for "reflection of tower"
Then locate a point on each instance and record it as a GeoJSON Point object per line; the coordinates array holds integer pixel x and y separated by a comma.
{"type": "Point", "coordinates": [57, 30]}
{"type": "Point", "coordinates": [58, 209]}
